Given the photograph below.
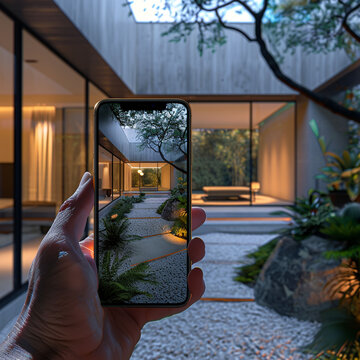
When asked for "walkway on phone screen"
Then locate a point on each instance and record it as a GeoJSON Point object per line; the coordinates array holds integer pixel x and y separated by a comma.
{"type": "Point", "coordinates": [164, 252]}
{"type": "Point", "coordinates": [227, 323]}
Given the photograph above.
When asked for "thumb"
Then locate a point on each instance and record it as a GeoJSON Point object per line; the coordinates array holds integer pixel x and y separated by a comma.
{"type": "Point", "coordinates": [74, 212]}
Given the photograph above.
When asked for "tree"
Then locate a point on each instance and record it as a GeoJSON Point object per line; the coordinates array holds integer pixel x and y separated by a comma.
{"type": "Point", "coordinates": [163, 131]}
{"type": "Point", "coordinates": [314, 25]}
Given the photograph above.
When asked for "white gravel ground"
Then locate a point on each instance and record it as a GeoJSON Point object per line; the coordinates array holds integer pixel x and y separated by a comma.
{"type": "Point", "coordinates": [218, 330]}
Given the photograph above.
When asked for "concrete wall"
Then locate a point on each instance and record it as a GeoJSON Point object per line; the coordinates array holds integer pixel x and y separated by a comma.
{"type": "Point", "coordinates": [109, 29]}
{"type": "Point", "coordinates": [276, 155]}
{"type": "Point", "coordinates": [166, 177]}
{"type": "Point", "coordinates": [165, 67]}
{"type": "Point", "coordinates": [309, 156]}
{"type": "Point", "coordinates": [149, 64]}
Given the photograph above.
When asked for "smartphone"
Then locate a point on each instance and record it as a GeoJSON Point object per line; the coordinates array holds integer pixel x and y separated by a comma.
{"type": "Point", "coordinates": [142, 222]}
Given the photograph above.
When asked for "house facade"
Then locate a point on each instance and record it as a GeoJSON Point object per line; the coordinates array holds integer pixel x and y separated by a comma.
{"type": "Point", "coordinates": [59, 58]}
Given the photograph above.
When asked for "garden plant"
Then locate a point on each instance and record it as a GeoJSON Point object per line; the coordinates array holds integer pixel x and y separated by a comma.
{"type": "Point", "coordinates": [116, 243]}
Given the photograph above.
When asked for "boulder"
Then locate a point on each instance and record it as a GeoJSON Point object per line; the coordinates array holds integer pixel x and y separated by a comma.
{"type": "Point", "coordinates": [293, 278]}
{"type": "Point", "coordinates": [171, 211]}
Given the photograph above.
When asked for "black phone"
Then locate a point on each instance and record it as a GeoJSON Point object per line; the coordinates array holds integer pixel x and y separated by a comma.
{"type": "Point", "coordinates": [142, 218]}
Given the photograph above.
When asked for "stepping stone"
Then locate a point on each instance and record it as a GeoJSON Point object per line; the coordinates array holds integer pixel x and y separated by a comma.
{"type": "Point", "coordinates": [156, 246]}
{"type": "Point", "coordinates": [146, 227]}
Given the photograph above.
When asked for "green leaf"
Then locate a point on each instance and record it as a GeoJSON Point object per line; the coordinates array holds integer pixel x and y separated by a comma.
{"type": "Point", "coordinates": [314, 127]}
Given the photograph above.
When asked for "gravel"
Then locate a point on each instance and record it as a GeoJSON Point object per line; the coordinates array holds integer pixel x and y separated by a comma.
{"type": "Point", "coordinates": [226, 330]}
{"type": "Point", "coordinates": [171, 275]}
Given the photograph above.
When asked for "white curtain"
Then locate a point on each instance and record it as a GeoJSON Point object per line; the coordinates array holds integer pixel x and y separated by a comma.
{"type": "Point", "coordinates": [41, 154]}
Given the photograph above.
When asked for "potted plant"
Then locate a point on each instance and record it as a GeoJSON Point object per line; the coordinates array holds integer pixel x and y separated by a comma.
{"type": "Point", "coordinates": [341, 173]}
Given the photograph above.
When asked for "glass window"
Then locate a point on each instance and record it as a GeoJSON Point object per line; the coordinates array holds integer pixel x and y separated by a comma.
{"type": "Point", "coordinates": [116, 177]}
{"type": "Point", "coordinates": [6, 153]}
{"type": "Point", "coordinates": [221, 153]}
{"type": "Point", "coordinates": [95, 95]}
{"type": "Point", "coordinates": [53, 141]}
{"type": "Point", "coordinates": [105, 177]}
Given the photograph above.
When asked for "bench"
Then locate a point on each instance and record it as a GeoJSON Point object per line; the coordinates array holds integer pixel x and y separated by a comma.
{"type": "Point", "coordinates": [227, 192]}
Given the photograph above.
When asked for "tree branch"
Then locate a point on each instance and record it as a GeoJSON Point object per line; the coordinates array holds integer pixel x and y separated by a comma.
{"type": "Point", "coordinates": [317, 98]}
{"type": "Point", "coordinates": [170, 163]}
{"type": "Point", "coordinates": [243, 33]}
{"type": "Point", "coordinates": [346, 26]}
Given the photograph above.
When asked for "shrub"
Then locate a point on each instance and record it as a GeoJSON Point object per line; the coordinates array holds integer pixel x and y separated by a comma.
{"type": "Point", "coordinates": [309, 215]}
{"type": "Point", "coordinates": [248, 274]}
{"type": "Point", "coordinates": [161, 207]}
{"type": "Point", "coordinates": [351, 211]}
{"type": "Point", "coordinates": [180, 225]}
{"type": "Point", "coordinates": [115, 288]}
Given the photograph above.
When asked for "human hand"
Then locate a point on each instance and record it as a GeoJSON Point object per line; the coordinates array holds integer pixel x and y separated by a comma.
{"type": "Point", "coordinates": [62, 317]}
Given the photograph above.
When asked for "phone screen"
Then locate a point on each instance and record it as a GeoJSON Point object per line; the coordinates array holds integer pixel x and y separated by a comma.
{"type": "Point", "coordinates": [142, 207]}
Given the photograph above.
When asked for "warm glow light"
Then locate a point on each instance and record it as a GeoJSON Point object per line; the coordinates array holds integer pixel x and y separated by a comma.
{"type": "Point", "coordinates": [139, 171]}
{"type": "Point", "coordinates": [29, 108]}
{"type": "Point", "coordinates": [41, 160]}
{"type": "Point", "coordinates": [255, 186]}
{"type": "Point", "coordinates": [114, 216]}
{"type": "Point", "coordinates": [106, 177]}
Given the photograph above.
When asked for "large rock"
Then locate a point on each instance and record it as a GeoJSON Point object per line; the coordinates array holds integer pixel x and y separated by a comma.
{"type": "Point", "coordinates": [293, 278]}
{"type": "Point", "coordinates": [171, 211]}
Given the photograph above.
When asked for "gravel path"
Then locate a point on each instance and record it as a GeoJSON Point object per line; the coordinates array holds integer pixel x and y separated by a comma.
{"type": "Point", "coordinates": [218, 330]}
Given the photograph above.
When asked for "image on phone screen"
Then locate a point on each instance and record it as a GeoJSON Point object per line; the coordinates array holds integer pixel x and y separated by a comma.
{"type": "Point", "coordinates": [142, 218]}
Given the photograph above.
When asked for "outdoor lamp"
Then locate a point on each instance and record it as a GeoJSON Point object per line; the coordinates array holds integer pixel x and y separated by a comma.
{"type": "Point", "coordinates": [139, 171]}
{"type": "Point", "coordinates": [255, 187]}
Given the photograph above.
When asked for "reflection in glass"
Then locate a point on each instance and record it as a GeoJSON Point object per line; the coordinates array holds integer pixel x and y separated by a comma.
{"type": "Point", "coordinates": [105, 177]}
{"type": "Point", "coordinates": [6, 154]}
{"type": "Point", "coordinates": [53, 142]}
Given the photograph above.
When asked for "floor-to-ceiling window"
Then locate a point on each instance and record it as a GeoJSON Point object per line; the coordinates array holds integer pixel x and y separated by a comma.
{"type": "Point", "coordinates": [148, 176]}
{"type": "Point", "coordinates": [53, 140]}
{"type": "Point", "coordinates": [6, 154]}
{"type": "Point", "coordinates": [46, 143]}
{"type": "Point", "coordinates": [243, 153]}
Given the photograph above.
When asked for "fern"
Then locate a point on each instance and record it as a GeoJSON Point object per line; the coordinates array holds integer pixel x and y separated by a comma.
{"type": "Point", "coordinates": [342, 229]}
{"type": "Point", "coordinates": [114, 234]}
{"type": "Point", "coordinates": [115, 288]}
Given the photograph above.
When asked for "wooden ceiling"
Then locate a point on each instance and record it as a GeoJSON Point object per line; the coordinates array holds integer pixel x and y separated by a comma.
{"type": "Point", "coordinates": [50, 24]}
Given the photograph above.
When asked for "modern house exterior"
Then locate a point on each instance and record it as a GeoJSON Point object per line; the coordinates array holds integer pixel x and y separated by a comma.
{"type": "Point", "coordinates": [58, 58]}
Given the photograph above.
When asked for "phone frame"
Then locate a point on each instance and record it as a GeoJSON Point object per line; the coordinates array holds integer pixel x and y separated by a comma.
{"type": "Point", "coordinates": [96, 197]}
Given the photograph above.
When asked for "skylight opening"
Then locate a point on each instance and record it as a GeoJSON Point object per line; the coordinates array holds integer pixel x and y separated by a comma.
{"type": "Point", "coordinates": [154, 11]}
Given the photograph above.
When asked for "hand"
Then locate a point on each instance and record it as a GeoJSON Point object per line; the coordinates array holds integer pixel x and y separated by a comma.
{"type": "Point", "coordinates": [62, 317]}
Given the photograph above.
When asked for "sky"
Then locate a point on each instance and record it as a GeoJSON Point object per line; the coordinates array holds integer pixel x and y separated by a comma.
{"type": "Point", "coordinates": [146, 11]}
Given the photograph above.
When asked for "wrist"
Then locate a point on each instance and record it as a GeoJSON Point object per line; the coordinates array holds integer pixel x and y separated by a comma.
{"type": "Point", "coordinates": [22, 344]}
{"type": "Point", "coordinates": [11, 350]}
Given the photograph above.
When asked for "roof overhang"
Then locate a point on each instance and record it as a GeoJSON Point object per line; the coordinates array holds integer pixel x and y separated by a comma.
{"type": "Point", "coordinates": [46, 20]}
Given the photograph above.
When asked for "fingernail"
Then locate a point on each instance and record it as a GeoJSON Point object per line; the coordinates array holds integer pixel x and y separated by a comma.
{"type": "Point", "coordinates": [85, 178]}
